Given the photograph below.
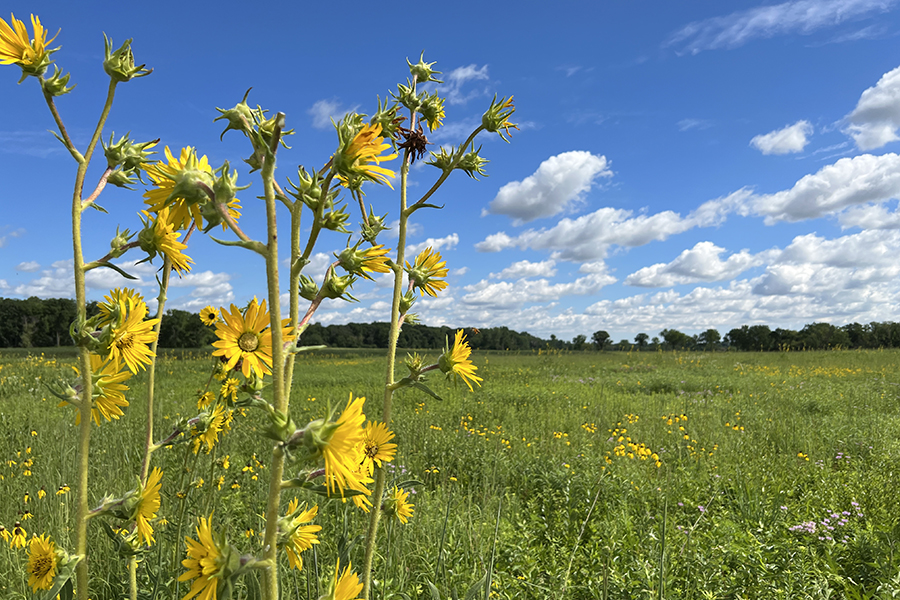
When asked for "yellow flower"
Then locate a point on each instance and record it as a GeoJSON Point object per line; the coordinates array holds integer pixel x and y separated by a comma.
{"type": "Point", "coordinates": [205, 399]}
{"type": "Point", "coordinates": [399, 506]}
{"type": "Point", "coordinates": [247, 338]}
{"type": "Point", "coordinates": [342, 449]}
{"type": "Point", "coordinates": [209, 316]}
{"type": "Point", "coordinates": [16, 48]}
{"type": "Point", "coordinates": [374, 260]}
{"type": "Point", "coordinates": [427, 268]}
{"type": "Point", "coordinates": [210, 435]}
{"type": "Point", "coordinates": [118, 304]}
{"type": "Point", "coordinates": [131, 338]}
{"type": "Point", "coordinates": [164, 238]}
{"type": "Point", "coordinates": [360, 158]}
{"type": "Point", "coordinates": [18, 536]}
{"type": "Point", "coordinates": [230, 389]}
{"type": "Point", "coordinates": [107, 391]}
{"type": "Point", "coordinates": [5, 534]}
{"type": "Point", "coordinates": [146, 509]}
{"type": "Point", "coordinates": [456, 360]}
{"type": "Point", "coordinates": [299, 537]}
{"type": "Point", "coordinates": [346, 585]}
{"type": "Point", "coordinates": [42, 561]}
{"type": "Point", "coordinates": [183, 211]}
{"type": "Point", "coordinates": [377, 446]}
{"type": "Point", "coordinates": [203, 563]}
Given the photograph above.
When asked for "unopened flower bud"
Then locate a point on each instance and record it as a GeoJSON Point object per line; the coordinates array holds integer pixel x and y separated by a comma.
{"type": "Point", "coordinates": [375, 225]}
{"type": "Point", "coordinates": [55, 85]}
{"type": "Point", "coordinates": [211, 216]}
{"type": "Point", "coordinates": [422, 70]}
{"type": "Point", "coordinates": [308, 189]}
{"type": "Point", "coordinates": [128, 154]}
{"type": "Point", "coordinates": [473, 164]}
{"type": "Point", "coordinates": [239, 118]}
{"type": "Point", "coordinates": [117, 244]}
{"type": "Point", "coordinates": [123, 179]}
{"type": "Point", "coordinates": [335, 287]}
{"type": "Point", "coordinates": [406, 95]}
{"type": "Point", "coordinates": [308, 288]}
{"type": "Point", "coordinates": [444, 160]}
{"type": "Point", "coordinates": [335, 219]}
{"type": "Point", "coordinates": [387, 117]}
{"type": "Point", "coordinates": [406, 301]}
{"type": "Point", "coordinates": [119, 64]}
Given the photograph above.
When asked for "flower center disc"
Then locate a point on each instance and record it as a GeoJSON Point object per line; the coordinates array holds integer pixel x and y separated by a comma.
{"type": "Point", "coordinates": [248, 342]}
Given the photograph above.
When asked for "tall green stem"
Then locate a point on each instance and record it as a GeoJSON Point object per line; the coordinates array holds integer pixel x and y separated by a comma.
{"type": "Point", "coordinates": [84, 437]}
{"type": "Point", "coordinates": [151, 369]}
{"type": "Point", "coordinates": [377, 493]}
{"type": "Point", "coordinates": [280, 399]}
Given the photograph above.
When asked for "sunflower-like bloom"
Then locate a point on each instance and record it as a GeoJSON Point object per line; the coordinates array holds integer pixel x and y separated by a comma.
{"type": "Point", "coordinates": [248, 339]}
{"type": "Point", "coordinates": [130, 340]}
{"type": "Point", "coordinates": [497, 117]}
{"type": "Point", "coordinates": [107, 390]}
{"type": "Point", "coordinates": [362, 262]}
{"type": "Point", "coordinates": [424, 273]}
{"type": "Point", "coordinates": [162, 237]}
{"type": "Point", "coordinates": [205, 399]}
{"type": "Point", "coordinates": [19, 536]}
{"type": "Point", "coordinates": [204, 563]}
{"type": "Point", "coordinates": [345, 585]}
{"type": "Point", "coordinates": [147, 507]}
{"type": "Point", "coordinates": [118, 304]}
{"type": "Point", "coordinates": [209, 316]}
{"type": "Point", "coordinates": [17, 48]}
{"type": "Point", "coordinates": [342, 449]}
{"type": "Point", "coordinates": [456, 360]}
{"type": "Point", "coordinates": [42, 562]}
{"type": "Point", "coordinates": [297, 534]}
{"type": "Point", "coordinates": [399, 506]}
{"type": "Point", "coordinates": [209, 436]}
{"type": "Point", "coordinates": [359, 159]}
{"type": "Point", "coordinates": [377, 446]}
{"type": "Point", "coordinates": [184, 172]}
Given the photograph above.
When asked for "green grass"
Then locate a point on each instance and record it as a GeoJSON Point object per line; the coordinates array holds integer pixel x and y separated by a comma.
{"type": "Point", "coordinates": [534, 442]}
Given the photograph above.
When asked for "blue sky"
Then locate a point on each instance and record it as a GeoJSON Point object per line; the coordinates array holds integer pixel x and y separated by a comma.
{"type": "Point", "coordinates": [678, 165]}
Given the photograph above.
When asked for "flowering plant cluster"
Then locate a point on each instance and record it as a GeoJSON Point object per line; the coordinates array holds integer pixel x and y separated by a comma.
{"type": "Point", "coordinates": [338, 457]}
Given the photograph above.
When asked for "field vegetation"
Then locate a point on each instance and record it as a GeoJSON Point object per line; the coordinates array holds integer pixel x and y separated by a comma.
{"type": "Point", "coordinates": [567, 475]}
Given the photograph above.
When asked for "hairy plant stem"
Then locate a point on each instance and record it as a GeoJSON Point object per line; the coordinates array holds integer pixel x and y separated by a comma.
{"type": "Point", "coordinates": [84, 355]}
{"type": "Point", "coordinates": [151, 369]}
{"type": "Point", "coordinates": [280, 399]}
{"type": "Point", "coordinates": [132, 578]}
{"type": "Point", "coordinates": [397, 267]}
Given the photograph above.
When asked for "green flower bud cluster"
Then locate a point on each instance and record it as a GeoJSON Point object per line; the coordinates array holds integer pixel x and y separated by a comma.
{"type": "Point", "coordinates": [335, 219]}
{"type": "Point", "coordinates": [375, 225]}
{"type": "Point", "coordinates": [387, 117]}
{"type": "Point", "coordinates": [309, 189]}
{"type": "Point", "coordinates": [336, 287]}
{"type": "Point", "coordinates": [406, 301]}
{"type": "Point", "coordinates": [224, 190]}
{"type": "Point", "coordinates": [309, 289]}
{"type": "Point", "coordinates": [406, 95]}
{"type": "Point", "coordinates": [252, 122]}
{"type": "Point", "coordinates": [471, 162]}
{"type": "Point", "coordinates": [55, 85]}
{"type": "Point", "coordinates": [119, 64]}
{"type": "Point", "coordinates": [422, 70]}
{"type": "Point", "coordinates": [128, 159]}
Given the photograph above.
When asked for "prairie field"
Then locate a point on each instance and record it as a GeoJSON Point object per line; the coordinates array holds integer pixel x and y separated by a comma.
{"type": "Point", "coordinates": [567, 475]}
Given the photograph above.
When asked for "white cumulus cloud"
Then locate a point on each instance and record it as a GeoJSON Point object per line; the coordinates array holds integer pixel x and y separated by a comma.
{"type": "Point", "coordinates": [848, 182]}
{"type": "Point", "coordinates": [559, 181]}
{"type": "Point", "coordinates": [698, 264]}
{"type": "Point", "coordinates": [876, 118]}
{"type": "Point", "coordinates": [790, 139]}
{"type": "Point", "coordinates": [447, 242]}
{"type": "Point", "coordinates": [31, 266]}
{"type": "Point", "coordinates": [525, 268]}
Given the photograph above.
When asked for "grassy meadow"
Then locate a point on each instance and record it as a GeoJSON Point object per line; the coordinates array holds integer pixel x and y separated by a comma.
{"type": "Point", "coordinates": [614, 475]}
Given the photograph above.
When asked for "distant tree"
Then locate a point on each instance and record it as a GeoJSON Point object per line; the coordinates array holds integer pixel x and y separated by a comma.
{"type": "Point", "coordinates": [579, 342]}
{"type": "Point", "coordinates": [641, 340]}
{"type": "Point", "coordinates": [601, 340]}
{"type": "Point", "coordinates": [676, 340]}
{"type": "Point", "coordinates": [709, 339]}
{"type": "Point", "coordinates": [623, 345]}
{"type": "Point", "coordinates": [183, 329]}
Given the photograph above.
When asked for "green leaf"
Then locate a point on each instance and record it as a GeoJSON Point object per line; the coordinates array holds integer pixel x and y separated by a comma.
{"type": "Point", "coordinates": [63, 580]}
{"type": "Point", "coordinates": [253, 245]}
{"type": "Point", "coordinates": [435, 594]}
{"type": "Point", "coordinates": [424, 388]}
{"type": "Point", "coordinates": [477, 588]}
{"type": "Point", "coordinates": [118, 270]}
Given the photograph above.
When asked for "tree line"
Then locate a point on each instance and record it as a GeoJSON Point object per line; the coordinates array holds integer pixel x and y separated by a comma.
{"type": "Point", "coordinates": [36, 323]}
